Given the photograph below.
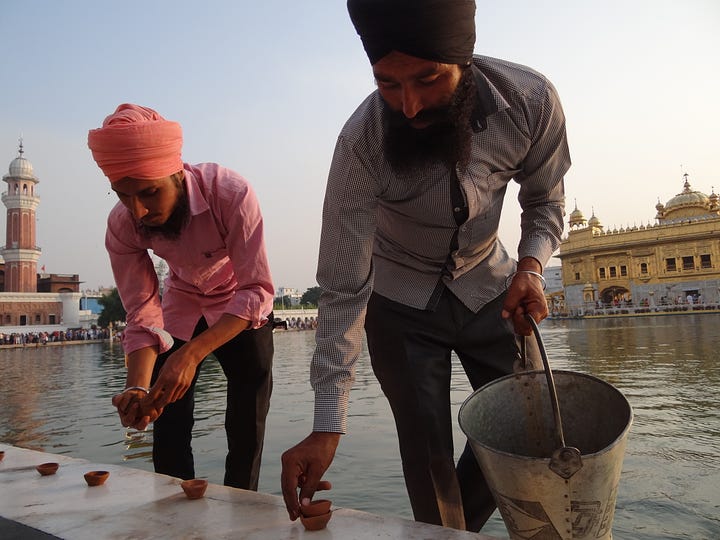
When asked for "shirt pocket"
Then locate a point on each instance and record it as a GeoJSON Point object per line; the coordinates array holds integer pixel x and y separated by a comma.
{"type": "Point", "coordinates": [489, 193]}
{"type": "Point", "coordinates": [209, 263]}
{"type": "Point", "coordinates": [202, 259]}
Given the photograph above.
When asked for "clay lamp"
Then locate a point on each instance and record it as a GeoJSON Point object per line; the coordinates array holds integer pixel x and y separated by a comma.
{"type": "Point", "coordinates": [315, 523]}
{"type": "Point", "coordinates": [315, 516]}
{"type": "Point", "coordinates": [316, 508]}
{"type": "Point", "coordinates": [2, 454]}
{"type": "Point", "coordinates": [194, 489]}
{"type": "Point", "coordinates": [46, 469]}
{"type": "Point", "coordinates": [96, 478]}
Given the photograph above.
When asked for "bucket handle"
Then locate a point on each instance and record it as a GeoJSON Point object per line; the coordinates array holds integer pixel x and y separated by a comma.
{"type": "Point", "coordinates": [565, 460]}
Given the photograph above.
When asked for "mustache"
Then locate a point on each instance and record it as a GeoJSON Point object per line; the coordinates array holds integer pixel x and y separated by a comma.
{"type": "Point", "coordinates": [434, 116]}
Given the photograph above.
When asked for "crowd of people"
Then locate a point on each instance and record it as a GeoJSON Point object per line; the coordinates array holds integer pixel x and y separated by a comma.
{"type": "Point", "coordinates": [295, 323]}
{"type": "Point", "coordinates": [71, 334]}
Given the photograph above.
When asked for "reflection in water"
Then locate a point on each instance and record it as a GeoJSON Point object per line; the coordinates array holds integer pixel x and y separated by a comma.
{"type": "Point", "coordinates": [667, 368]}
{"type": "Point", "coordinates": [57, 399]}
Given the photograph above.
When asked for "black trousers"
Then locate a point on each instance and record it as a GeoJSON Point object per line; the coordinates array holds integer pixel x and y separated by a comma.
{"type": "Point", "coordinates": [246, 361]}
{"type": "Point", "coordinates": [410, 351]}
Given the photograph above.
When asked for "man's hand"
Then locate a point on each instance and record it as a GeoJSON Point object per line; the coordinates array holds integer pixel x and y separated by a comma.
{"type": "Point", "coordinates": [128, 404]}
{"type": "Point", "coordinates": [525, 295]}
{"type": "Point", "coordinates": [179, 370]}
{"type": "Point", "coordinates": [174, 379]}
{"type": "Point", "coordinates": [303, 466]}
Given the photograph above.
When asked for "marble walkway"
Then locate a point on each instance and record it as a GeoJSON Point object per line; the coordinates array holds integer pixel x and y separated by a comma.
{"type": "Point", "coordinates": [135, 504]}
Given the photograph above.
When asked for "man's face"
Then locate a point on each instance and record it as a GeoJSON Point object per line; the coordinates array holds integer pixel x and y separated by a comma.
{"type": "Point", "coordinates": [421, 90]}
{"type": "Point", "coordinates": [427, 113]}
{"type": "Point", "coordinates": [151, 202]}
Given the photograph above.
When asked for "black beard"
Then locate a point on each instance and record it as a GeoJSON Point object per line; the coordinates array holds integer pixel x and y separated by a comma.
{"type": "Point", "coordinates": [171, 229]}
{"type": "Point", "coordinates": [448, 139]}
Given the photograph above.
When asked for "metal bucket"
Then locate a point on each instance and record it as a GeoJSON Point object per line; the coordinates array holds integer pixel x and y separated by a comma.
{"type": "Point", "coordinates": [544, 488]}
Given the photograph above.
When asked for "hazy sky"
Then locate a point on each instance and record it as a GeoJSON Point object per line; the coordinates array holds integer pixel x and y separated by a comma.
{"type": "Point", "coordinates": [264, 87]}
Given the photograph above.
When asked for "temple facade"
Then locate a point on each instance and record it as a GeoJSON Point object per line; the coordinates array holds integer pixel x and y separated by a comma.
{"type": "Point", "coordinates": [671, 264]}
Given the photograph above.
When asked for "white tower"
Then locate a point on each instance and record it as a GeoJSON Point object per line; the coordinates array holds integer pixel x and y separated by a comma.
{"type": "Point", "coordinates": [20, 252]}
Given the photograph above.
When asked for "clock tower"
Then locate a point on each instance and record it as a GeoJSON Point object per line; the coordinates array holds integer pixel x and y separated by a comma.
{"type": "Point", "coordinates": [20, 252]}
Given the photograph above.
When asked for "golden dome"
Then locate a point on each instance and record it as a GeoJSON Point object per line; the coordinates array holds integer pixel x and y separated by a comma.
{"type": "Point", "coordinates": [577, 219]}
{"type": "Point", "coordinates": [688, 203]}
{"type": "Point", "coordinates": [594, 221]}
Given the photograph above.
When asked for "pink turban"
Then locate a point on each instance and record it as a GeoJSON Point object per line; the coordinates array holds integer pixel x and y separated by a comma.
{"type": "Point", "coordinates": [137, 142]}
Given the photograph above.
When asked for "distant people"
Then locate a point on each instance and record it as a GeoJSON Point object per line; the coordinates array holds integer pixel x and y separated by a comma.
{"type": "Point", "coordinates": [204, 221]}
{"type": "Point", "coordinates": [409, 248]}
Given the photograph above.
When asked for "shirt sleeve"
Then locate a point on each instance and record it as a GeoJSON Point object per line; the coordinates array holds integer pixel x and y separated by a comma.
{"type": "Point", "coordinates": [345, 275]}
{"type": "Point", "coordinates": [137, 285]}
{"type": "Point", "coordinates": [245, 240]}
{"type": "Point", "coordinates": [542, 192]}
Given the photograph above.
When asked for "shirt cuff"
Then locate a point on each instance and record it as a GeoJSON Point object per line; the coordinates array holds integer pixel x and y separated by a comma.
{"type": "Point", "coordinates": [243, 307]}
{"type": "Point", "coordinates": [331, 413]}
{"type": "Point", "coordinates": [137, 337]}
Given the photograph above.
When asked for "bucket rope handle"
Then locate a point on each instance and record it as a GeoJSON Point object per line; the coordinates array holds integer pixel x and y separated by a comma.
{"type": "Point", "coordinates": [566, 460]}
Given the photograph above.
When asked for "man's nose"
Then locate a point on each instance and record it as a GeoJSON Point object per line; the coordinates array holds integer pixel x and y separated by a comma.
{"type": "Point", "coordinates": [411, 102]}
{"type": "Point", "coordinates": [137, 208]}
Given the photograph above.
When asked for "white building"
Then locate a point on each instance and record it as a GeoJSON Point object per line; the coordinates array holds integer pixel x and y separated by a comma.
{"type": "Point", "coordinates": [289, 292]}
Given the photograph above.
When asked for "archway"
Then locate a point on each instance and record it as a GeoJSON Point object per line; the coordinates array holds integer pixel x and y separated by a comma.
{"type": "Point", "coordinates": [615, 296]}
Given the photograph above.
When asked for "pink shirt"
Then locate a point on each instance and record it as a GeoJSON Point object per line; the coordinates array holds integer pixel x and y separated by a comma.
{"type": "Point", "coordinates": [217, 265]}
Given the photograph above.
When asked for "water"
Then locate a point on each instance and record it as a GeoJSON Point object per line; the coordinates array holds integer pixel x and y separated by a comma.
{"type": "Point", "coordinates": [57, 399]}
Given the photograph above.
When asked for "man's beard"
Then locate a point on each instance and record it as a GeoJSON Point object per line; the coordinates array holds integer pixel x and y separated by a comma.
{"type": "Point", "coordinates": [447, 139]}
{"type": "Point", "coordinates": [171, 229]}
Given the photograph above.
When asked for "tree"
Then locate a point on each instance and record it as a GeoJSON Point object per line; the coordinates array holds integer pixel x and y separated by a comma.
{"type": "Point", "coordinates": [284, 302]}
{"type": "Point", "coordinates": [311, 296]}
{"type": "Point", "coordinates": [113, 309]}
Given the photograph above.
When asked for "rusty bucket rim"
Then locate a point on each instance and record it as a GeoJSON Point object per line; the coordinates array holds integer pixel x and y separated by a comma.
{"type": "Point", "coordinates": [541, 372]}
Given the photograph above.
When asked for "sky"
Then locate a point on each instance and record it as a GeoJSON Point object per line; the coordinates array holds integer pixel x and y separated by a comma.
{"type": "Point", "coordinates": [265, 87]}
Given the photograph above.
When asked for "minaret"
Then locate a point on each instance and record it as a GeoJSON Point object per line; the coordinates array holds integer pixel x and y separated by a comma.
{"type": "Point", "coordinates": [20, 252]}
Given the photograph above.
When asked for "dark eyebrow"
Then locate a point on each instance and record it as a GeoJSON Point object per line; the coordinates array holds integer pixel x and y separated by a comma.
{"type": "Point", "coordinates": [379, 76]}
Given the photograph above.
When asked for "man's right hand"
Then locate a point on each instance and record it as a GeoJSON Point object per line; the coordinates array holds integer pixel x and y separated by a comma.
{"type": "Point", "coordinates": [303, 466]}
{"type": "Point", "coordinates": [128, 404]}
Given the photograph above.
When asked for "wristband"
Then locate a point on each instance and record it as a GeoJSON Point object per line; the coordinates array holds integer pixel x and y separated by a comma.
{"type": "Point", "coordinates": [137, 388]}
{"type": "Point", "coordinates": [532, 273]}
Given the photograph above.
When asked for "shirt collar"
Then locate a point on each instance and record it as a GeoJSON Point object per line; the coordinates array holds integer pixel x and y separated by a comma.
{"type": "Point", "coordinates": [489, 101]}
{"type": "Point", "coordinates": [196, 200]}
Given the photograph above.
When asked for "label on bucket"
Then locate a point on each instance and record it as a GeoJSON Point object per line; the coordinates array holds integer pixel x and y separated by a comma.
{"type": "Point", "coordinates": [529, 519]}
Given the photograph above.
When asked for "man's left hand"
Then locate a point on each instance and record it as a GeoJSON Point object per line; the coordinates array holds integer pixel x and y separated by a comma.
{"type": "Point", "coordinates": [525, 296]}
{"type": "Point", "coordinates": [173, 381]}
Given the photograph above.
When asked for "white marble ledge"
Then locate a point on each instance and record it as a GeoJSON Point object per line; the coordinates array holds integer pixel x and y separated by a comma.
{"type": "Point", "coordinates": [135, 504]}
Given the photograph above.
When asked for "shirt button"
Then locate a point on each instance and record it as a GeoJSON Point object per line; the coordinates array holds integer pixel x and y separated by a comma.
{"type": "Point", "coordinates": [456, 209]}
{"type": "Point", "coordinates": [463, 228]}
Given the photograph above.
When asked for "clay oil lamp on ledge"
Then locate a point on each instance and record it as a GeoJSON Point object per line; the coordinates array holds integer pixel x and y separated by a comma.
{"type": "Point", "coordinates": [46, 469]}
{"type": "Point", "coordinates": [194, 489]}
{"type": "Point", "coordinates": [315, 516]}
{"type": "Point", "coordinates": [2, 454]}
{"type": "Point", "coordinates": [96, 478]}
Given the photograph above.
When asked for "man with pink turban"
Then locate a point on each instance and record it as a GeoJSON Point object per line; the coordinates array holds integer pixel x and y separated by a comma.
{"type": "Point", "coordinates": [204, 221]}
